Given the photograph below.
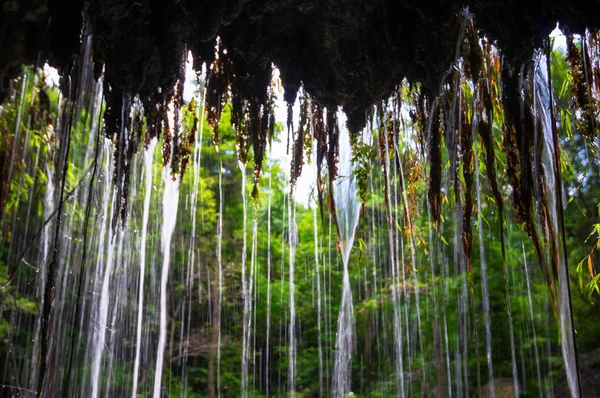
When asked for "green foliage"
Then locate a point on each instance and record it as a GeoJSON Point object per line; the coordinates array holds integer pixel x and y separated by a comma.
{"type": "Point", "coordinates": [362, 157]}
{"type": "Point", "coordinates": [594, 284]}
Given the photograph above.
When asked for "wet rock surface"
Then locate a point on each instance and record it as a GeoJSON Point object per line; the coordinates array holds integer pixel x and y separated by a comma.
{"type": "Point", "coordinates": [345, 52]}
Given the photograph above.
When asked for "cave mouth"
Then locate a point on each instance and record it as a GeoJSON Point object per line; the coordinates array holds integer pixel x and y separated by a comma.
{"type": "Point", "coordinates": [456, 121]}
{"type": "Point", "coordinates": [350, 53]}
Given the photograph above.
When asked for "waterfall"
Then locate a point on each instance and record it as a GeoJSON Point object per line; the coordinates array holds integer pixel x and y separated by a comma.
{"type": "Point", "coordinates": [245, 289]}
{"type": "Point", "coordinates": [268, 321]}
{"type": "Point", "coordinates": [169, 205]}
{"type": "Point", "coordinates": [484, 278]}
{"type": "Point", "coordinates": [347, 212]}
{"type": "Point", "coordinates": [397, 318]}
{"type": "Point", "coordinates": [550, 159]}
{"type": "Point", "coordinates": [319, 299]}
{"type": "Point", "coordinates": [148, 160]}
{"type": "Point", "coordinates": [162, 281]}
{"type": "Point", "coordinates": [532, 318]}
{"type": "Point", "coordinates": [220, 271]}
{"type": "Point", "coordinates": [292, 297]}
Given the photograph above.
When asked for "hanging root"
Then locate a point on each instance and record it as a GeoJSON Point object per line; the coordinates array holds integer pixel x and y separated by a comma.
{"type": "Point", "coordinates": [320, 139]}
{"type": "Point", "coordinates": [518, 128]}
{"type": "Point", "coordinates": [435, 164]}
{"type": "Point", "coordinates": [188, 140]}
{"type": "Point", "coordinates": [487, 138]}
{"type": "Point", "coordinates": [301, 139]}
{"type": "Point", "coordinates": [50, 288]}
{"type": "Point", "coordinates": [216, 94]}
{"type": "Point", "coordinates": [333, 134]}
{"type": "Point", "coordinates": [466, 145]}
{"type": "Point", "coordinates": [580, 72]}
{"type": "Point", "coordinates": [88, 209]}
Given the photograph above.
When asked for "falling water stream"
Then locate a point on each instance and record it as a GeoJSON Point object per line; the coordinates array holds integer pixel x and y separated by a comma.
{"type": "Point", "coordinates": [268, 320]}
{"type": "Point", "coordinates": [319, 296]}
{"type": "Point", "coordinates": [148, 157]}
{"type": "Point", "coordinates": [245, 289]}
{"type": "Point", "coordinates": [397, 318]}
{"type": "Point", "coordinates": [484, 278]}
{"type": "Point", "coordinates": [347, 212]}
{"type": "Point", "coordinates": [291, 211]}
{"type": "Point", "coordinates": [102, 306]}
{"type": "Point", "coordinates": [550, 159]}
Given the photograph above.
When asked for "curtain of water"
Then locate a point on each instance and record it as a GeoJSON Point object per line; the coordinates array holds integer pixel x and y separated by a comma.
{"type": "Point", "coordinates": [138, 329]}
{"type": "Point", "coordinates": [532, 319]}
{"type": "Point", "coordinates": [245, 289]}
{"type": "Point", "coordinates": [102, 304]}
{"type": "Point", "coordinates": [220, 271]}
{"type": "Point", "coordinates": [268, 320]}
{"type": "Point", "coordinates": [414, 272]}
{"type": "Point", "coordinates": [347, 212]}
{"type": "Point", "coordinates": [148, 162]}
{"type": "Point", "coordinates": [484, 275]}
{"type": "Point", "coordinates": [291, 211]}
{"type": "Point", "coordinates": [169, 201]}
{"type": "Point", "coordinates": [397, 319]}
{"type": "Point", "coordinates": [319, 293]}
{"type": "Point", "coordinates": [251, 338]}
{"type": "Point", "coordinates": [551, 162]}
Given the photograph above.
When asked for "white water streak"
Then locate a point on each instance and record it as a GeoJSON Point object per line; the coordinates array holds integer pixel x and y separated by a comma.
{"type": "Point", "coordinates": [531, 315]}
{"type": "Point", "coordinates": [347, 210]}
{"type": "Point", "coordinates": [220, 267]}
{"type": "Point", "coordinates": [543, 104]}
{"type": "Point", "coordinates": [100, 331]}
{"type": "Point", "coordinates": [484, 275]}
{"type": "Point", "coordinates": [268, 282]}
{"type": "Point", "coordinates": [148, 161]}
{"type": "Point", "coordinates": [292, 324]}
{"type": "Point", "coordinates": [395, 299]}
{"type": "Point", "coordinates": [245, 294]}
{"type": "Point", "coordinates": [319, 310]}
{"type": "Point", "coordinates": [170, 202]}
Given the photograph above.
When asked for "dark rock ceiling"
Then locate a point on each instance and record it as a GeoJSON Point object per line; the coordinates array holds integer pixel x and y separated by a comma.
{"type": "Point", "coordinates": [345, 52]}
